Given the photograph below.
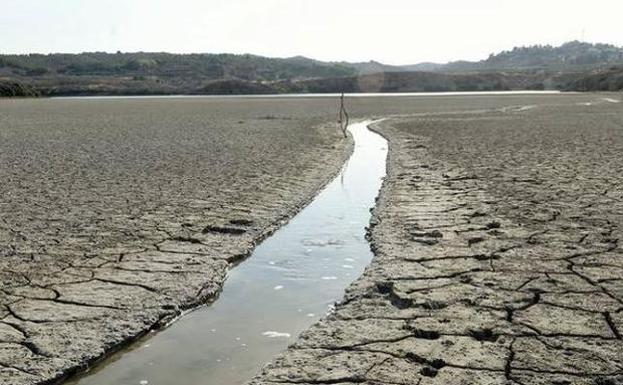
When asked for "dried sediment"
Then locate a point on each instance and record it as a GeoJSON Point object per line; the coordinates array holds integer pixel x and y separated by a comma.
{"type": "Point", "coordinates": [118, 215]}
{"type": "Point", "coordinates": [498, 257]}
{"type": "Point", "coordinates": [115, 215]}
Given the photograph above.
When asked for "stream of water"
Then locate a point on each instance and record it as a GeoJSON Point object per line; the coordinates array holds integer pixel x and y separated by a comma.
{"type": "Point", "coordinates": [290, 281]}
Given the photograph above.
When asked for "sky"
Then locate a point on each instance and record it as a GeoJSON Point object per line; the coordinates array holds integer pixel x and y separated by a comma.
{"type": "Point", "coordinates": [389, 31]}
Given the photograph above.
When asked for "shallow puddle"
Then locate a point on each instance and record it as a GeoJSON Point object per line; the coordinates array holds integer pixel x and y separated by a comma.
{"type": "Point", "coordinates": [289, 282]}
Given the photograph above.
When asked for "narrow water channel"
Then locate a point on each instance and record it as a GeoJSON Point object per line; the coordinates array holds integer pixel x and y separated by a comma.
{"type": "Point", "coordinates": [289, 282]}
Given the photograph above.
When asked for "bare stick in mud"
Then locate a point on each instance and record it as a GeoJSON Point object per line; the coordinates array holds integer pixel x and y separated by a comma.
{"type": "Point", "coordinates": [342, 119]}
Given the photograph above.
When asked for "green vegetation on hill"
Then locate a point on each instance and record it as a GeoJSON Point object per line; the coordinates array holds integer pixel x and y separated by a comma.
{"type": "Point", "coordinates": [99, 73]}
{"type": "Point", "coordinates": [573, 55]}
{"type": "Point", "coordinates": [203, 66]}
{"type": "Point", "coordinates": [16, 89]}
{"type": "Point", "coordinates": [419, 81]}
{"type": "Point", "coordinates": [572, 66]}
{"type": "Point", "coordinates": [606, 80]}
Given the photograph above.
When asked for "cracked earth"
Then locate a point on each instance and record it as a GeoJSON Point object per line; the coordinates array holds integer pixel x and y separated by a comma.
{"type": "Point", "coordinates": [111, 224]}
{"type": "Point", "coordinates": [498, 257]}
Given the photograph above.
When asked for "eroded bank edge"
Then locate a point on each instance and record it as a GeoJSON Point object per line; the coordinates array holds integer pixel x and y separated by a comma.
{"type": "Point", "coordinates": [166, 319]}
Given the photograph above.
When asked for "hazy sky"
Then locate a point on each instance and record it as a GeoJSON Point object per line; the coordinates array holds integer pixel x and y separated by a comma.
{"type": "Point", "coordinates": [391, 31]}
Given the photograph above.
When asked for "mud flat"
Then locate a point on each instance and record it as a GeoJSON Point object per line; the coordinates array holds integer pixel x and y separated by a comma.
{"type": "Point", "coordinates": [497, 256]}
{"type": "Point", "coordinates": [288, 283]}
{"type": "Point", "coordinates": [116, 215]}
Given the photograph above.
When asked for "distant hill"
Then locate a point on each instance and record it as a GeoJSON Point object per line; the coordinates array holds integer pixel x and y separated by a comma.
{"type": "Point", "coordinates": [99, 73]}
{"type": "Point", "coordinates": [371, 67]}
{"type": "Point", "coordinates": [396, 82]}
{"type": "Point", "coordinates": [573, 55]}
{"type": "Point", "coordinates": [574, 65]}
{"type": "Point", "coordinates": [205, 66]}
{"type": "Point", "coordinates": [425, 66]}
{"type": "Point", "coordinates": [419, 82]}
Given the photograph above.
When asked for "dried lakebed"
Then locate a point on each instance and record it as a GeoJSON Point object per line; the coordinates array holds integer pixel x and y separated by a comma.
{"type": "Point", "coordinates": [101, 195]}
{"type": "Point", "coordinates": [116, 215]}
{"type": "Point", "coordinates": [497, 257]}
{"type": "Point", "coordinates": [290, 281]}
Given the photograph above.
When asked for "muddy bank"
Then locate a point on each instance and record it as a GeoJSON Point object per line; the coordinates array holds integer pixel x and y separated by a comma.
{"type": "Point", "coordinates": [116, 216]}
{"type": "Point", "coordinates": [287, 284]}
{"type": "Point", "coordinates": [498, 257]}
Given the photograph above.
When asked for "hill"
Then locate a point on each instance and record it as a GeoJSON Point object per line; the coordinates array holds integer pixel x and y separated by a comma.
{"type": "Point", "coordinates": [205, 66]}
{"type": "Point", "coordinates": [574, 55]}
{"type": "Point", "coordinates": [571, 66]}
{"type": "Point", "coordinates": [99, 73]}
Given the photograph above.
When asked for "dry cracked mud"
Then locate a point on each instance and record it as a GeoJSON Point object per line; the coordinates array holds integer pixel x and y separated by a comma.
{"type": "Point", "coordinates": [498, 257]}
{"type": "Point", "coordinates": [496, 261]}
{"type": "Point", "coordinates": [116, 216]}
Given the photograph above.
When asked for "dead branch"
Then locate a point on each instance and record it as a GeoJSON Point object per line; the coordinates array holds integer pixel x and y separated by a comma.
{"type": "Point", "coordinates": [342, 119]}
